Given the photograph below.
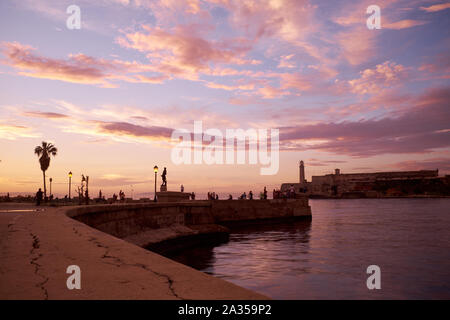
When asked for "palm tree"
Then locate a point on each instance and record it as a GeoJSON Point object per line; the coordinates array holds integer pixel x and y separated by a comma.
{"type": "Point", "coordinates": [44, 152]}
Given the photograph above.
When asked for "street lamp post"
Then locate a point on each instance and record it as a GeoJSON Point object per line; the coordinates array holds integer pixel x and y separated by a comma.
{"type": "Point", "coordinates": [70, 182]}
{"type": "Point", "coordinates": [155, 168]}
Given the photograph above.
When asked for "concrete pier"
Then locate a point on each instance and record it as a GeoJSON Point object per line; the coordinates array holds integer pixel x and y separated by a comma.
{"type": "Point", "coordinates": [36, 247]}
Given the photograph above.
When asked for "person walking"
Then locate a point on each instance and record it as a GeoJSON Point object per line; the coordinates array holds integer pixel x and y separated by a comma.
{"type": "Point", "coordinates": [39, 196]}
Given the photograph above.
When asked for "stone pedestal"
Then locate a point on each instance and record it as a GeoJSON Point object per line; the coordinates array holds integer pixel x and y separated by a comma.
{"type": "Point", "coordinates": [163, 188]}
{"type": "Point", "coordinates": [172, 196]}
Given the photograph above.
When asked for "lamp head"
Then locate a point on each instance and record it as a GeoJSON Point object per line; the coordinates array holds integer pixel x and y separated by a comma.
{"type": "Point", "coordinates": [155, 168]}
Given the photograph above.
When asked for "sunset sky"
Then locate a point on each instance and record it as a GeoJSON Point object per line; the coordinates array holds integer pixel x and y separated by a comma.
{"type": "Point", "coordinates": [110, 94]}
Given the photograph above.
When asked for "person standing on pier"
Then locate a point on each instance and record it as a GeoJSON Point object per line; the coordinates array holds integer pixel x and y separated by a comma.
{"type": "Point", "coordinates": [39, 196]}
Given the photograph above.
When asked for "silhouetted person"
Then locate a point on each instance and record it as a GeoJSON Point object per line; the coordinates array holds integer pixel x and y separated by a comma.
{"type": "Point", "coordinates": [250, 195]}
{"type": "Point", "coordinates": [265, 193]}
{"type": "Point", "coordinates": [217, 197]}
{"type": "Point", "coordinates": [39, 196]}
{"type": "Point", "coordinates": [230, 197]}
{"type": "Point", "coordinates": [193, 195]}
{"type": "Point", "coordinates": [182, 188]}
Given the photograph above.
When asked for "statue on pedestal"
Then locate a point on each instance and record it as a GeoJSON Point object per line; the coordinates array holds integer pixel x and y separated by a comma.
{"type": "Point", "coordinates": [163, 176]}
{"type": "Point", "coordinates": [164, 180]}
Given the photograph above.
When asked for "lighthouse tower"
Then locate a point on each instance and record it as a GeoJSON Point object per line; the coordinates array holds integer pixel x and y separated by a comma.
{"type": "Point", "coordinates": [302, 172]}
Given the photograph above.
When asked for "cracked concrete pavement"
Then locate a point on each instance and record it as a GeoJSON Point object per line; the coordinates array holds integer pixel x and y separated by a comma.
{"type": "Point", "coordinates": [36, 247]}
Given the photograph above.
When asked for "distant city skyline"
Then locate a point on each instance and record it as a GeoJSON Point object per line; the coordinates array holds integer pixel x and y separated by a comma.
{"type": "Point", "coordinates": [110, 94]}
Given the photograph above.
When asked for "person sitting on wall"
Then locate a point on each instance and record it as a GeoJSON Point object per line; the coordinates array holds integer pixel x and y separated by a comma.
{"type": "Point", "coordinates": [250, 195]}
{"type": "Point", "coordinates": [230, 197]}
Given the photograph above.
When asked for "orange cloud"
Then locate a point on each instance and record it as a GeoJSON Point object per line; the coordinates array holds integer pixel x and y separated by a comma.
{"type": "Point", "coordinates": [403, 24]}
{"type": "Point", "coordinates": [384, 75]}
{"type": "Point", "coordinates": [12, 132]}
{"type": "Point", "coordinates": [436, 7]}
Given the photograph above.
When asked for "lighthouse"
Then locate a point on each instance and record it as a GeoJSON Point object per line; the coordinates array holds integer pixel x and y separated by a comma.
{"type": "Point", "coordinates": [302, 172]}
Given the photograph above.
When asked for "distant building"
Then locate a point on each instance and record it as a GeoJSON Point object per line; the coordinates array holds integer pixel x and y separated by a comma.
{"type": "Point", "coordinates": [372, 185]}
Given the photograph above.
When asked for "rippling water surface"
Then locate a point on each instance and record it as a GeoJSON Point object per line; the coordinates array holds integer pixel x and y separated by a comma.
{"type": "Point", "coordinates": [326, 258]}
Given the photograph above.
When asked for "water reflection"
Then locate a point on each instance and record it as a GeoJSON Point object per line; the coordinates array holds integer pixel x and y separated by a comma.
{"type": "Point", "coordinates": [326, 258]}
{"type": "Point", "coordinates": [262, 249]}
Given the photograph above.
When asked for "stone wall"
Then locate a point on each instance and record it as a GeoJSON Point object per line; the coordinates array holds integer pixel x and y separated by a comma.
{"type": "Point", "coordinates": [243, 210]}
{"type": "Point", "coordinates": [150, 223]}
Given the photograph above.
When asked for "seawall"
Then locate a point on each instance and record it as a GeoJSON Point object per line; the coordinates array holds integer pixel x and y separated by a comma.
{"type": "Point", "coordinates": [149, 224]}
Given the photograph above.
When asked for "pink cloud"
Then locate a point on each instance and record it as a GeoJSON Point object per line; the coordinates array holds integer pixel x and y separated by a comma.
{"type": "Point", "coordinates": [438, 67]}
{"type": "Point", "coordinates": [420, 129]}
{"type": "Point", "coordinates": [357, 45]}
{"type": "Point", "coordinates": [443, 164]}
{"type": "Point", "coordinates": [185, 54]}
{"type": "Point", "coordinates": [133, 130]}
{"type": "Point", "coordinates": [78, 68]}
{"type": "Point", "coordinates": [290, 20]}
{"type": "Point", "coordinates": [48, 115]}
